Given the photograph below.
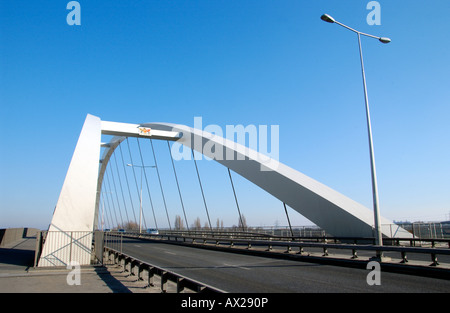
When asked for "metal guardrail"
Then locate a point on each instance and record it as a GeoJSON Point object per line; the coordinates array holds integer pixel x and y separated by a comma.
{"type": "Point", "coordinates": [112, 241]}
{"type": "Point", "coordinates": [181, 281]}
{"type": "Point", "coordinates": [424, 230]}
{"type": "Point", "coordinates": [396, 241]}
{"type": "Point", "coordinates": [289, 244]}
{"type": "Point", "coordinates": [105, 244]}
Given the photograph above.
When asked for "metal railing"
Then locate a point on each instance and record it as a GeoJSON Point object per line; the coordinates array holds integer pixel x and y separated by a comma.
{"type": "Point", "coordinates": [63, 247]}
{"type": "Point", "coordinates": [100, 246]}
{"type": "Point", "coordinates": [59, 248]}
{"type": "Point", "coordinates": [413, 242]}
{"type": "Point", "coordinates": [288, 243]}
{"type": "Point", "coordinates": [430, 230]}
{"type": "Point", "coordinates": [425, 230]}
{"type": "Point", "coordinates": [132, 264]}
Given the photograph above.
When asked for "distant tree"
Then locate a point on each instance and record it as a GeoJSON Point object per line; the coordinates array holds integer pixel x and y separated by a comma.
{"type": "Point", "coordinates": [219, 224]}
{"type": "Point", "coordinates": [197, 224]}
{"type": "Point", "coordinates": [129, 226]}
{"type": "Point", "coordinates": [178, 223]}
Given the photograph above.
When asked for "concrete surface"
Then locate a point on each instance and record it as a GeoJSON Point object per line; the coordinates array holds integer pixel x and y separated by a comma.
{"type": "Point", "coordinates": [11, 235]}
{"type": "Point", "coordinates": [17, 275]}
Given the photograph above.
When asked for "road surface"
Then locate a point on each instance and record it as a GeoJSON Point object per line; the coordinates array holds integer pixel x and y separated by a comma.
{"type": "Point", "coordinates": [233, 272]}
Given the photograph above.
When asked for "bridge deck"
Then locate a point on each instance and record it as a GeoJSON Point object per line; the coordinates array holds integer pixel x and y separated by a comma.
{"type": "Point", "coordinates": [247, 273]}
{"type": "Point", "coordinates": [228, 271]}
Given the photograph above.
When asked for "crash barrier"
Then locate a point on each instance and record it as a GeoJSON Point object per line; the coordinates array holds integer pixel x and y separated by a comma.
{"type": "Point", "coordinates": [132, 265]}
{"type": "Point", "coordinates": [289, 243]}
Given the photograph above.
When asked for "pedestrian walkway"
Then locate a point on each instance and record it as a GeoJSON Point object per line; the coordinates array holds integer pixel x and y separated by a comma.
{"type": "Point", "coordinates": [17, 274]}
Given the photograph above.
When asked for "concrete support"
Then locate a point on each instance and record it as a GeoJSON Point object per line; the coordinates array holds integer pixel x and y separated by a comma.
{"type": "Point", "coordinates": [75, 210]}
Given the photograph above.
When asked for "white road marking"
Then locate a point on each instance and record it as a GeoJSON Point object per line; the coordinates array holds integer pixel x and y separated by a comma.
{"type": "Point", "coordinates": [237, 266]}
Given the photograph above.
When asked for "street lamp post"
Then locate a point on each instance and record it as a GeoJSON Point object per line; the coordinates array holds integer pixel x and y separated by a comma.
{"type": "Point", "coordinates": [140, 195]}
{"type": "Point", "coordinates": [378, 236]}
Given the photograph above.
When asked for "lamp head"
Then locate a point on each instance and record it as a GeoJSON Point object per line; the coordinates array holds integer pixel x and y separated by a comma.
{"type": "Point", "coordinates": [385, 40]}
{"type": "Point", "coordinates": [327, 18]}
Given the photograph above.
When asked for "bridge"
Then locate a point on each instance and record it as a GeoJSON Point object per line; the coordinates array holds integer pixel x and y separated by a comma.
{"type": "Point", "coordinates": [97, 219]}
{"type": "Point", "coordinates": [78, 205]}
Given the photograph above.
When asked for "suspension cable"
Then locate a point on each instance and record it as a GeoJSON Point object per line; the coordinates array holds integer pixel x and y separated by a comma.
{"type": "Point", "coordinates": [117, 196]}
{"type": "Point", "coordinates": [160, 184]}
{"type": "Point", "coordinates": [108, 209]}
{"type": "Point", "coordinates": [112, 199]}
{"type": "Point", "coordinates": [104, 215]}
{"type": "Point", "coordinates": [128, 185]}
{"type": "Point", "coordinates": [201, 188]}
{"type": "Point", "coordinates": [147, 184]}
{"type": "Point", "coordinates": [134, 174]}
{"type": "Point", "coordinates": [121, 190]}
{"type": "Point", "coordinates": [178, 185]}
{"type": "Point", "coordinates": [235, 198]}
{"type": "Point", "coordinates": [289, 221]}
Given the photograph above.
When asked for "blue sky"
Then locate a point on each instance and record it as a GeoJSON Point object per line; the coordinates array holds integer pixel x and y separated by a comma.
{"type": "Point", "coordinates": [231, 62]}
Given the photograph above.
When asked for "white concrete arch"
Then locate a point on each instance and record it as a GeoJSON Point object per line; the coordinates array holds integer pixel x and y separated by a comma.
{"type": "Point", "coordinates": [76, 212]}
{"type": "Point", "coordinates": [77, 206]}
{"type": "Point", "coordinates": [327, 208]}
{"type": "Point", "coordinates": [107, 153]}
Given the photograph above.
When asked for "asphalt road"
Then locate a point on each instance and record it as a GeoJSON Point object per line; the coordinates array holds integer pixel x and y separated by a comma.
{"type": "Point", "coordinates": [238, 273]}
